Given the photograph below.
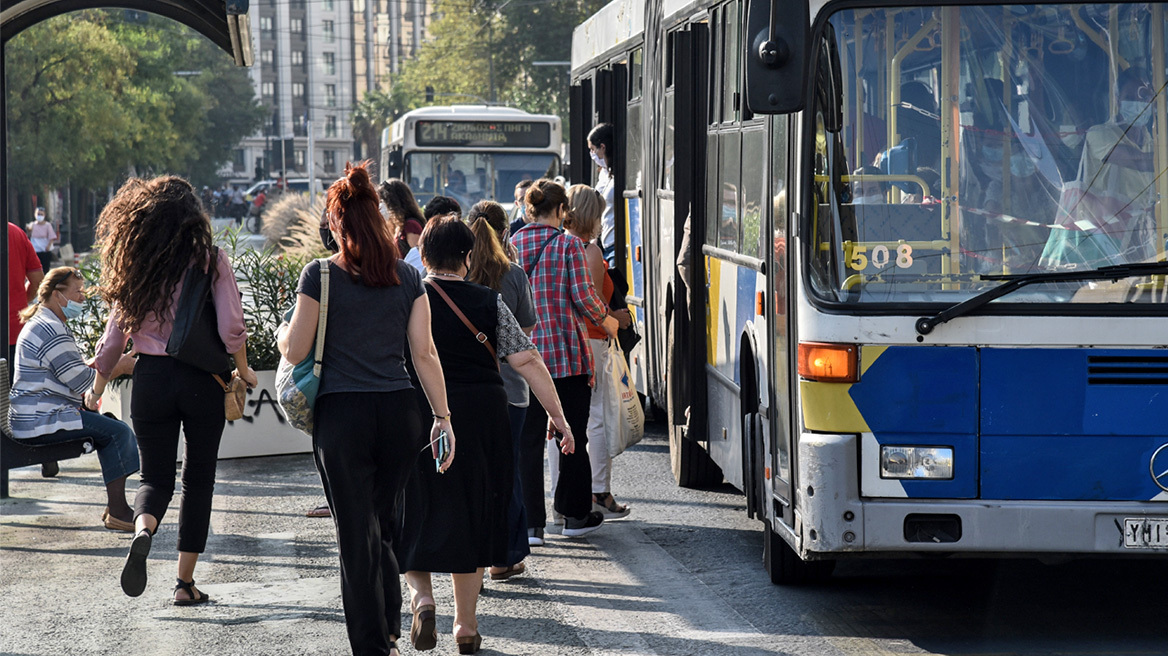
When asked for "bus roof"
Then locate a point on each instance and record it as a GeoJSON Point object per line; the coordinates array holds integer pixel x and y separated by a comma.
{"type": "Point", "coordinates": [617, 22]}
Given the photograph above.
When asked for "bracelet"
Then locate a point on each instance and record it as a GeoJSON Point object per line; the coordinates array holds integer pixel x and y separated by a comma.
{"type": "Point", "coordinates": [440, 417]}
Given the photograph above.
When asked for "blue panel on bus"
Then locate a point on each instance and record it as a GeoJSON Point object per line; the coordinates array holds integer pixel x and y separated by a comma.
{"type": "Point", "coordinates": [925, 396]}
{"type": "Point", "coordinates": [636, 241]}
{"type": "Point", "coordinates": [1074, 392]}
{"type": "Point", "coordinates": [920, 390]}
{"type": "Point", "coordinates": [1072, 423]}
{"type": "Point", "coordinates": [744, 307]}
{"type": "Point", "coordinates": [1062, 467]}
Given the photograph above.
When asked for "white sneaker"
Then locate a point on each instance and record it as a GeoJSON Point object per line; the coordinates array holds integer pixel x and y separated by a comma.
{"type": "Point", "coordinates": [574, 528]}
{"type": "Point", "coordinates": [535, 537]}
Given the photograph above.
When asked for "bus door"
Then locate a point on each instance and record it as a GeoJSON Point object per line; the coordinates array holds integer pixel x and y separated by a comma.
{"type": "Point", "coordinates": [687, 355]}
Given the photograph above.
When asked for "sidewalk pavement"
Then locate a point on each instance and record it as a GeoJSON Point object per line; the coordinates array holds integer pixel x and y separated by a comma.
{"type": "Point", "coordinates": [272, 573]}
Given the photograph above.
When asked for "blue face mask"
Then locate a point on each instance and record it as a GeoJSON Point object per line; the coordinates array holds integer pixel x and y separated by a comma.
{"type": "Point", "coordinates": [72, 309]}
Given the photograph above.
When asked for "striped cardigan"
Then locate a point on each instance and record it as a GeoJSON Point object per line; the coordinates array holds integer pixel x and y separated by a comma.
{"type": "Point", "coordinates": [50, 378]}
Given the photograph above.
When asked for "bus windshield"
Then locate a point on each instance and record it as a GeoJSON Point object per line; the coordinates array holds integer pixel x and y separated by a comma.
{"type": "Point", "coordinates": [471, 177]}
{"type": "Point", "coordinates": [989, 140]}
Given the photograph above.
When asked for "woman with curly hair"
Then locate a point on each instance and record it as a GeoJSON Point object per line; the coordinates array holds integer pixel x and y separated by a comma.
{"type": "Point", "coordinates": [151, 234]}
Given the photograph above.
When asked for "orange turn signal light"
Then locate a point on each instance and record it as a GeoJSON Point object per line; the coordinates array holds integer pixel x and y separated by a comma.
{"type": "Point", "coordinates": [829, 363]}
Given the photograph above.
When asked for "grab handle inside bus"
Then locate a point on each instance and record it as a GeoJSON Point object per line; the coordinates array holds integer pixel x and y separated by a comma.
{"type": "Point", "coordinates": [776, 58]}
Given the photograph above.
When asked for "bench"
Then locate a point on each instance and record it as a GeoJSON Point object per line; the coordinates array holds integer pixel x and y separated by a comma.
{"type": "Point", "coordinates": [14, 453]}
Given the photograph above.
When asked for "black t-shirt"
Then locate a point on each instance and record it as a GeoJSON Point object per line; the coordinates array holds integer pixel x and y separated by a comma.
{"type": "Point", "coordinates": [365, 339]}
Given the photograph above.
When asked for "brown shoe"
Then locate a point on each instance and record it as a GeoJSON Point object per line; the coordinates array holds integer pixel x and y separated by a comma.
{"type": "Point", "coordinates": [469, 644]}
{"type": "Point", "coordinates": [319, 511]}
{"type": "Point", "coordinates": [115, 524]}
{"type": "Point", "coordinates": [504, 573]}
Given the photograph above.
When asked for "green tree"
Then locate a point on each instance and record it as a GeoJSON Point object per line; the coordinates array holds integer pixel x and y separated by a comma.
{"type": "Point", "coordinates": [373, 113]}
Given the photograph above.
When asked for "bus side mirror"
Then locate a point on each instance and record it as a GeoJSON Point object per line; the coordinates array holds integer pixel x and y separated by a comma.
{"type": "Point", "coordinates": [393, 165]}
{"type": "Point", "coordinates": [776, 57]}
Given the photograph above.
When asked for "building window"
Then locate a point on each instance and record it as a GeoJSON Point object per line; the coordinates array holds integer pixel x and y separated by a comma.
{"type": "Point", "coordinates": [239, 162]}
{"type": "Point", "coordinates": [330, 63]}
{"type": "Point", "coordinates": [268, 57]}
{"type": "Point", "coordinates": [330, 161]}
{"type": "Point", "coordinates": [327, 5]}
{"type": "Point", "coordinates": [298, 60]}
{"type": "Point", "coordinates": [300, 158]}
{"type": "Point", "coordinates": [298, 90]}
{"type": "Point", "coordinates": [266, 27]}
{"type": "Point", "coordinates": [328, 28]}
{"type": "Point", "coordinates": [330, 126]}
{"type": "Point", "coordinates": [268, 90]}
{"type": "Point", "coordinates": [330, 95]}
{"type": "Point", "coordinates": [298, 26]}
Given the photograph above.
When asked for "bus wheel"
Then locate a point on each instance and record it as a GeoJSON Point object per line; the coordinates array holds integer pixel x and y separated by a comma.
{"type": "Point", "coordinates": [784, 566]}
{"type": "Point", "coordinates": [691, 464]}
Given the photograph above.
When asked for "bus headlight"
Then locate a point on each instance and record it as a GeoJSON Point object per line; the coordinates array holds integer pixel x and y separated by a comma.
{"type": "Point", "coordinates": [916, 462]}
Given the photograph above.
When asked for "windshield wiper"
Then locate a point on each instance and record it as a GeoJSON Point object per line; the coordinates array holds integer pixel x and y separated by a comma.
{"type": "Point", "coordinates": [925, 325]}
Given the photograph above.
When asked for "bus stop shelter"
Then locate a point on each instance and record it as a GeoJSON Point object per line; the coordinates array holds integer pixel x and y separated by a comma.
{"type": "Point", "coordinates": [225, 22]}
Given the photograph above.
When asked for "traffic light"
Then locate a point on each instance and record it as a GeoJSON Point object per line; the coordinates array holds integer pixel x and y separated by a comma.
{"type": "Point", "coordinates": [429, 94]}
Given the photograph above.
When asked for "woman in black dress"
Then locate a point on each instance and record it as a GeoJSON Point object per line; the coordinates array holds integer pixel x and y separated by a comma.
{"type": "Point", "coordinates": [457, 522]}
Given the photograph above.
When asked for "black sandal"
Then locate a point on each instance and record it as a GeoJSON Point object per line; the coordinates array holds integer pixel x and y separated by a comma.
{"type": "Point", "coordinates": [189, 588]}
{"type": "Point", "coordinates": [134, 571]}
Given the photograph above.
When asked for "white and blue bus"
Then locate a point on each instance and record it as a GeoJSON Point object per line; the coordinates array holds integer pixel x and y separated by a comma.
{"type": "Point", "coordinates": [928, 301]}
{"type": "Point", "coordinates": [470, 153]}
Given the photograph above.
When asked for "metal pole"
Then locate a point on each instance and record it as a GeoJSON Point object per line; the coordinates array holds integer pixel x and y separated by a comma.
{"type": "Point", "coordinates": [491, 54]}
{"type": "Point", "coordinates": [311, 163]}
{"type": "Point", "coordinates": [4, 199]}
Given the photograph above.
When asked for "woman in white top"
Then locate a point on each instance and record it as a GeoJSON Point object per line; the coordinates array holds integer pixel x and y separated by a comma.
{"type": "Point", "coordinates": [601, 148]}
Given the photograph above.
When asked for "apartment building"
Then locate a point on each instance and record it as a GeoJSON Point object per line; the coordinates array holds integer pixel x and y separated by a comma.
{"type": "Point", "coordinates": [314, 59]}
{"type": "Point", "coordinates": [385, 34]}
{"type": "Point", "coordinates": [303, 75]}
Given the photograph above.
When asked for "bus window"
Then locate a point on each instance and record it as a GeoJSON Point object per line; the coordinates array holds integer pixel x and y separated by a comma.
{"type": "Point", "coordinates": [754, 145]}
{"type": "Point", "coordinates": [777, 274]}
{"type": "Point", "coordinates": [1038, 127]}
{"type": "Point", "coordinates": [636, 73]}
{"type": "Point", "coordinates": [633, 138]}
{"type": "Point", "coordinates": [731, 55]}
{"type": "Point", "coordinates": [729, 214]}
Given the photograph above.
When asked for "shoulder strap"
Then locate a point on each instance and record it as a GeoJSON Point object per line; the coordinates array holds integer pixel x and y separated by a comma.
{"type": "Point", "coordinates": [323, 319]}
{"type": "Point", "coordinates": [531, 272]}
{"type": "Point", "coordinates": [479, 335]}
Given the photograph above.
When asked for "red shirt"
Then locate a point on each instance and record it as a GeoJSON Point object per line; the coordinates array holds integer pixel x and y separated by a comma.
{"type": "Point", "coordinates": [22, 259]}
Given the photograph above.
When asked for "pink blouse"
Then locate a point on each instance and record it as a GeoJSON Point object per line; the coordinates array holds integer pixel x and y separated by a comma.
{"type": "Point", "coordinates": [151, 338]}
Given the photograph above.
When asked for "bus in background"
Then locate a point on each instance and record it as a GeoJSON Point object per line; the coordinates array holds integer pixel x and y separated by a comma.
{"type": "Point", "coordinates": [926, 300]}
{"type": "Point", "coordinates": [470, 153]}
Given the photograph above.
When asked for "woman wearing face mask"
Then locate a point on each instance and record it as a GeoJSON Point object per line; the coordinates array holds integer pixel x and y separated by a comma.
{"type": "Point", "coordinates": [601, 149]}
{"type": "Point", "coordinates": [1106, 213]}
{"type": "Point", "coordinates": [54, 394]}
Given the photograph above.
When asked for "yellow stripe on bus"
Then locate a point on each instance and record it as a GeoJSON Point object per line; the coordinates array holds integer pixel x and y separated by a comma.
{"type": "Point", "coordinates": [829, 406]}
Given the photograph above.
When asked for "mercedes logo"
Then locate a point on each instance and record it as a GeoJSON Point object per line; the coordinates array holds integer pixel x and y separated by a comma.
{"type": "Point", "coordinates": [1160, 479]}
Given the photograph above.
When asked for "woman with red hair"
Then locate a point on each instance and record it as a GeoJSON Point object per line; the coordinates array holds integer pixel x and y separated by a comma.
{"type": "Point", "coordinates": [367, 426]}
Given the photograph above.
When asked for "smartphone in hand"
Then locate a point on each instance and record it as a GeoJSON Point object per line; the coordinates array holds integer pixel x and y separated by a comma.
{"type": "Point", "coordinates": [441, 450]}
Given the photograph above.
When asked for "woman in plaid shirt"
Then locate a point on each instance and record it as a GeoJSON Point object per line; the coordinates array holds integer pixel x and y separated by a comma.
{"type": "Point", "coordinates": [564, 296]}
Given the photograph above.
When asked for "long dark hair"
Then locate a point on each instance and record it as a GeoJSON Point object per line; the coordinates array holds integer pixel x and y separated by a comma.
{"type": "Point", "coordinates": [400, 202]}
{"type": "Point", "coordinates": [150, 233]}
{"type": "Point", "coordinates": [366, 244]}
{"type": "Point", "coordinates": [488, 261]}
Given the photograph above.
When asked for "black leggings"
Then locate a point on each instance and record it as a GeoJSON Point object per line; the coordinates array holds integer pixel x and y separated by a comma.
{"type": "Point", "coordinates": [366, 444]}
{"type": "Point", "coordinates": [573, 493]}
{"type": "Point", "coordinates": [168, 394]}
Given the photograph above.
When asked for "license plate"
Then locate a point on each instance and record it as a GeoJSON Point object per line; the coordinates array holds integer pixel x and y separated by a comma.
{"type": "Point", "coordinates": [1145, 533]}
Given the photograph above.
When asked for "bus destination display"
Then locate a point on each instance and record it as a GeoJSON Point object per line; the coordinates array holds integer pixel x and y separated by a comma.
{"type": "Point", "coordinates": [484, 134]}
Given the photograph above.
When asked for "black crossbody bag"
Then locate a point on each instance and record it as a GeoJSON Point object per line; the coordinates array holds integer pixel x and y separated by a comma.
{"type": "Point", "coordinates": [195, 339]}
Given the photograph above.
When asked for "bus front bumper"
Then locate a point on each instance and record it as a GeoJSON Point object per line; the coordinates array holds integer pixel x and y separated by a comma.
{"type": "Point", "coordinates": [835, 519]}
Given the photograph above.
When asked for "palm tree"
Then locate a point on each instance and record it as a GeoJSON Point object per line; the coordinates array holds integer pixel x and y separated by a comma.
{"type": "Point", "coordinates": [372, 114]}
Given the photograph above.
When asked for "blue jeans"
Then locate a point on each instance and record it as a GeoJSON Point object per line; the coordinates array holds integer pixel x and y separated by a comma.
{"type": "Point", "coordinates": [117, 448]}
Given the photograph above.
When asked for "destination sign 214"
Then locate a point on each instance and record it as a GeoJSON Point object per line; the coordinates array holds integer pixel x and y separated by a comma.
{"type": "Point", "coordinates": [484, 134]}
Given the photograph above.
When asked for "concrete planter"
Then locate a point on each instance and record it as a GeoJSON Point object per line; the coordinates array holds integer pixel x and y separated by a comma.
{"type": "Point", "coordinates": [261, 432]}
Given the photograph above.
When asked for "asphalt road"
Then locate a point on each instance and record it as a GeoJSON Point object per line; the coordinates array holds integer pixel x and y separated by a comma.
{"type": "Point", "coordinates": [682, 575]}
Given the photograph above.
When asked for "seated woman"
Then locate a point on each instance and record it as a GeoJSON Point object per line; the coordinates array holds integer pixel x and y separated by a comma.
{"type": "Point", "coordinates": [53, 384]}
{"type": "Point", "coordinates": [457, 521]}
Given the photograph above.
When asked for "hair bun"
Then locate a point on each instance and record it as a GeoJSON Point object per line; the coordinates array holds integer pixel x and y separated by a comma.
{"type": "Point", "coordinates": [534, 195]}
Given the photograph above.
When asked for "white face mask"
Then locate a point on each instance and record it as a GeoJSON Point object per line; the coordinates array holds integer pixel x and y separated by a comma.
{"type": "Point", "coordinates": [1021, 166]}
{"type": "Point", "coordinates": [1070, 136]}
{"type": "Point", "coordinates": [597, 159]}
{"type": "Point", "coordinates": [1133, 112]}
{"type": "Point", "coordinates": [40, 217]}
